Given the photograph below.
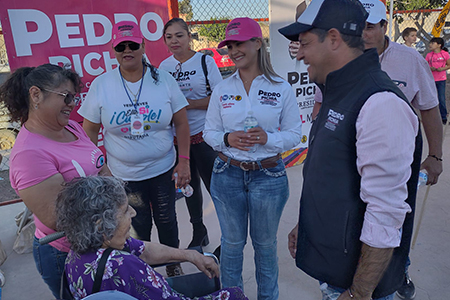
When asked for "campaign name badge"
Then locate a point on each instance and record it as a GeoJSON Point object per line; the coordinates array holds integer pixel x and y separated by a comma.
{"type": "Point", "coordinates": [137, 124]}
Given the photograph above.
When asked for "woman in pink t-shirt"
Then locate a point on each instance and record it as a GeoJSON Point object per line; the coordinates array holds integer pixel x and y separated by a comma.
{"type": "Point", "coordinates": [439, 61]}
{"type": "Point", "coordinates": [49, 150]}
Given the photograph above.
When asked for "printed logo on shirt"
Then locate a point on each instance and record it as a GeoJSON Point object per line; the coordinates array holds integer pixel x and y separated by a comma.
{"type": "Point", "coordinates": [183, 75]}
{"type": "Point", "coordinates": [333, 119]}
{"type": "Point", "coordinates": [124, 117]}
{"type": "Point", "coordinates": [400, 84]}
{"type": "Point", "coordinates": [268, 98]}
{"type": "Point", "coordinates": [96, 159]}
{"type": "Point", "coordinates": [228, 100]}
{"type": "Point", "coordinates": [230, 97]}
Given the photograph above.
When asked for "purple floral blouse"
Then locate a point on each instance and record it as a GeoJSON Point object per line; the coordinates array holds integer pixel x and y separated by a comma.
{"type": "Point", "coordinates": [126, 272]}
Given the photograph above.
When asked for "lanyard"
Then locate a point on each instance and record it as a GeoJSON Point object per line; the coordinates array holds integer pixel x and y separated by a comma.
{"type": "Point", "coordinates": [135, 104]}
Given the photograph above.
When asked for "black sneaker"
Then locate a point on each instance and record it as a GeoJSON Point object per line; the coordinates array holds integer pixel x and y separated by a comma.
{"type": "Point", "coordinates": [407, 290]}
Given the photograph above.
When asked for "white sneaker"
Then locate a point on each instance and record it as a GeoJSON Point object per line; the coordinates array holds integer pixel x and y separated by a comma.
{"type": "Point", "coordinates": [2, 279]}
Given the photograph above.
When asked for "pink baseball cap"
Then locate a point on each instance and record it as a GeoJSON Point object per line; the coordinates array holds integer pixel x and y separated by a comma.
{"type": "Point", "coordinates": [241, 29]}
{"type": "Point", "coordinates": [125, 31]}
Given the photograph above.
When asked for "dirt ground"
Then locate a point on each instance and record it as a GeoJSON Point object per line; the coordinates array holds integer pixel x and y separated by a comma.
{"type": "Point", "coordinates": [6, 191]}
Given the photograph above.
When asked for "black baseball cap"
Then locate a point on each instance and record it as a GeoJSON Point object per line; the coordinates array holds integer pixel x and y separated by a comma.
{"type": "Point", "coordinates": [347, 16]}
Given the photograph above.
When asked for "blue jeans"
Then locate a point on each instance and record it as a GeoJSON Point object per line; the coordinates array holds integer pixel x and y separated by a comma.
{"type": "Point", "coordinates": [330, 292]}
{"type": "Point", "coordinates": [155, 197]}
{"type": "Point", "coordinates": [50, 264]}
{"type": "Point", "coordinates": [256, 196]}
{"type": "Point", "coordinates": [440, 87]}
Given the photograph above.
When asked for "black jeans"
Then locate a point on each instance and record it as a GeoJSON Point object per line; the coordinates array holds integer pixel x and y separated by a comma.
{"type": "Point", "coordinates": [201, 162]}
{"type": "Point", "coordinates": [155, 196]}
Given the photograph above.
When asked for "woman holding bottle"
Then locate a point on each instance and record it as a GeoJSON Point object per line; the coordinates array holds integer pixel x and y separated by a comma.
{"type": "Point", "coordinates": [249, 185]}
{"type": "Point", "coordinates": [187, 68]}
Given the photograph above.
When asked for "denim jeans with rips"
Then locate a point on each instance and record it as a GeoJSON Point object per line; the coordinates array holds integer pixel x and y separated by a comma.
{"type": "Point", "coordinates": [249, 198]}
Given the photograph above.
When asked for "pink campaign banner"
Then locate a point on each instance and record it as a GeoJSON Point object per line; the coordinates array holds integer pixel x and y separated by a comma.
{"type": "Point", "coordinates": [78, 33]}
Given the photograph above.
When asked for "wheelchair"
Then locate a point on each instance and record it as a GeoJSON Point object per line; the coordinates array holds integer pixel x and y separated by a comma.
{"type": "Point", "coordinates": [191, 285]}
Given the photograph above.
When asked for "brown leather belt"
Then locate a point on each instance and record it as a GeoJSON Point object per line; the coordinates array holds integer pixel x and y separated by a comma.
{"type": "Point", "coordinates": [270, 162]}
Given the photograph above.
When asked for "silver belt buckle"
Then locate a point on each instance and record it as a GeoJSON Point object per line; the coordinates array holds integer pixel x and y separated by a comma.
{"type": "Point", "coordinates": [247, 162]}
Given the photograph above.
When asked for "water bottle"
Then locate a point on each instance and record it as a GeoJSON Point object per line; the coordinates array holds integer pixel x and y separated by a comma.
{"type": "Point", "coordinates": [423, 178]}
{"type": "Point", "coordinates": [250, 122]}
{"type": "Point", "coordinates": [328, 294]}
{"type": "Point", "coordinates": [187, 191]}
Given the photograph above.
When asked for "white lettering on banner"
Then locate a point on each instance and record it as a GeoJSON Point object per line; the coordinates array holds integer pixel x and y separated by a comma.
{"type": "Point", "coordinates": [88, 66]}
{"type": "Point", "coordinates": [91, 38]}
{"type": "Point", "coordinates": [109, 62]}
{"type": "Point", "coordinates": [64, 31]}
{"type": "Point", "coordinates": [23, 39]}
{"type": "Point", "coordinates": [147, 18]}
{"type": "Point", "coordinates": [124, 17]}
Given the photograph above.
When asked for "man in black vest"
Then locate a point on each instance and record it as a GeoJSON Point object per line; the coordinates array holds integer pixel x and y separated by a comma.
{"type": "Point", "coordinates": [360, 175]}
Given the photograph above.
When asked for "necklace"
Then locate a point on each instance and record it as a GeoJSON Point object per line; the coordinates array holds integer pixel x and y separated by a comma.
{"type": "Point", "coordinates": [129, 89]}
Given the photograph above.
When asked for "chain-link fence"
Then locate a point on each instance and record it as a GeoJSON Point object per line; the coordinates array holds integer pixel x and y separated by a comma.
{"type": "Point", "coordinates": [8, 130]}
{"type": "Point", "coordinates": [421, 20]}
{"type": "Point", "coordinates": [207, 21]}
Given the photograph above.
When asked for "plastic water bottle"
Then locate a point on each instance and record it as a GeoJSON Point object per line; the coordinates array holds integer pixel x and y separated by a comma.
{"type": "Point", "coordinates": [328, 294]}
{"type": "Point", "coordinates": [187, 191]}
{"type": "Point", "coordinates": [249, 123]}
{"type": "Point", "coordinates": [423, 178]}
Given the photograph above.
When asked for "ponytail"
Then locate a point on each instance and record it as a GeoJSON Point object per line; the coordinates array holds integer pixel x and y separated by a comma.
{"type": "Point", "coordinates": [14, 93]}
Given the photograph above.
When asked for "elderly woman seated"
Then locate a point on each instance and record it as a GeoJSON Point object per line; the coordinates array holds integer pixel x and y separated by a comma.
{"type": "Point", "coordinates": [95, 215]}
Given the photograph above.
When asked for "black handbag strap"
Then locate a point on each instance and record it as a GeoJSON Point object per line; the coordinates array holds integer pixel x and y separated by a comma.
{"type": "Point", "coordinates": [205, 71]}
{"type": "Point", "coordinates": [100, 271]}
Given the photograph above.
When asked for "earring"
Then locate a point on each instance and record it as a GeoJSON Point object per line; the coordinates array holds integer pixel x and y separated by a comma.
{"type": "Point", "coordinates": [36, 106]}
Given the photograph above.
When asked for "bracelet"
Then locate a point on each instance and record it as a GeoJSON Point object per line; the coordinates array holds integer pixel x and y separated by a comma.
{"type": "Point", "coordinates": [434, 156]}
{"type": "Point", "coordinates": [225, 139]}
{"type": "Point", "coordinates": [350, 293]}
{"type": "Point", "coordinates": [182, 156]}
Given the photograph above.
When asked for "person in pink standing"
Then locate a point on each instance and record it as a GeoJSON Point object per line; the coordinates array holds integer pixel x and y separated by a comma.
{"type": "Point", "coordinates": [439, 61]}
{"type": "Point", "coordinates": [49, 150]}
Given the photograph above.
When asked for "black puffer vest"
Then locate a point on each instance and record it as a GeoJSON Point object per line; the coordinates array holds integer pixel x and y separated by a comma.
{"type": "Point", "coordinates": [331, 210]}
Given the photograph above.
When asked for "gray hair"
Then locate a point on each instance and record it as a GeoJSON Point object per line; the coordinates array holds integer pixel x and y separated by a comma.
{"type": "Point", "coordinates": [86, 210]}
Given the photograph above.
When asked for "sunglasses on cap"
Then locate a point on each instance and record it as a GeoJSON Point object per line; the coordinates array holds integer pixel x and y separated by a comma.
{"type": "Point", "coordinates": [68, 97]}
{"type": "Point", "coordinates": [122, 46]}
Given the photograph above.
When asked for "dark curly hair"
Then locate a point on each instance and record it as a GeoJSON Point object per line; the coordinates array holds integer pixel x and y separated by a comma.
{"type": "Point", "coordinates": [14, 93]}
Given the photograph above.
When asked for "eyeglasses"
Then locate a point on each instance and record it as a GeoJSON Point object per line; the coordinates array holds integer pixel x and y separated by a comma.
{"type": "Point", "coordinates": [68, 97]}
{"type": "Point", "coordinates": [122, 46]}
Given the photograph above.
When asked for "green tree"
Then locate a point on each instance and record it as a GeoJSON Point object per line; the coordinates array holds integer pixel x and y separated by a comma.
{"type": "Point", "coordinates": [214, 32]}
{"type": "Point", "coordinates": [185, 9]}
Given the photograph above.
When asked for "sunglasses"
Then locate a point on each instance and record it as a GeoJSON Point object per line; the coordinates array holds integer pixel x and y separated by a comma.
{"type": "Point", "coordinates": [122, 46]}
{"type": "Point", "coordinates": [68, 97]}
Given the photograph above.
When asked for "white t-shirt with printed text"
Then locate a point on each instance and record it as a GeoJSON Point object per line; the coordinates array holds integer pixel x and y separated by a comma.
{"type": "Point", "coordinates": [135, 157]}
{"type": "Point", "coordinates": [192, 82]}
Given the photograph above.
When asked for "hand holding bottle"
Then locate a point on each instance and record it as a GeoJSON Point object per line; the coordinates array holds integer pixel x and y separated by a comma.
{"type": "Point", "coordinates": [187, 191]}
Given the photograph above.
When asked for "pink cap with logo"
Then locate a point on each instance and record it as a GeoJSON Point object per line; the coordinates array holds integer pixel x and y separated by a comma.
{"type": "Point", "coordinates": [126, 31]}
{"type": "Point", "coordinates": [241, 29]}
